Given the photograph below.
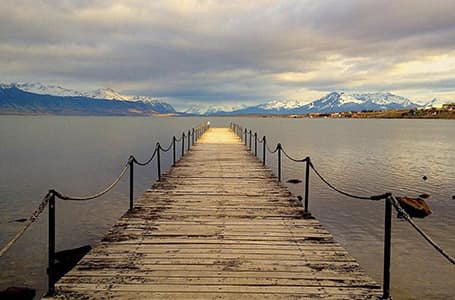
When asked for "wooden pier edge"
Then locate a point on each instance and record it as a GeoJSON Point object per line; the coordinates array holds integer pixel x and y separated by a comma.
{"type": "Point", "coordinates": [217, 226]}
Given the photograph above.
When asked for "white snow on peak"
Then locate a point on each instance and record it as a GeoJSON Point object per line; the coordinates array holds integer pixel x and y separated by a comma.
{"type": "Point", "coordinates": [281, 104]}
{"type": "Point", "coordinates": [48, 89]}
{"type": "Point", "coordinates": [436, 103]}
{"type": "Point", "coordinates": [207, 109]}
{"type": "Point", "coordinates": [101, 93]}
{"type": "Point", "coordinates": [382, 98]}
{"type": "Point", "coordinates": [347, 98]}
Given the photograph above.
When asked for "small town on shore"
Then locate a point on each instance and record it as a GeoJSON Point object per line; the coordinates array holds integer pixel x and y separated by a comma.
{"type": "Point", "coordinates": [446, 111]}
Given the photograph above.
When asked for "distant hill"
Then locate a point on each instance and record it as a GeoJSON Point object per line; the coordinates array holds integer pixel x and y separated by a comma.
{"type": "Point", "coordinates": [41, 99]}
{"type": "Point", "coordinates": [332, 102]}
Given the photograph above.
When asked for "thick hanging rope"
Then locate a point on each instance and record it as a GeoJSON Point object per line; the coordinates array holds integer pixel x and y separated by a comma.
{"type": "Point", "coordinates": [270, 151]}
{"type": "Point", "coordinates": [402, 213]}
{"type": "Point", "coordinates": [29, 222]}
{"type": "Point", "coordinates": [97, 195]}
{"type": "Point", "coordinates": [148, 161]}
{"type": "Point", "coordinates": [166, 149]}
{"type": "Point", "coordinates": [294, 159]}
{"type": "Point", "coordinates": [61, 196]}
{"type": "Point", "coordinates": [375, 197]}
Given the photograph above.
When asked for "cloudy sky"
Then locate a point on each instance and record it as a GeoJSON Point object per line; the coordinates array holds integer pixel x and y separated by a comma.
{"type": "Point", "coordinates": [229, 52]}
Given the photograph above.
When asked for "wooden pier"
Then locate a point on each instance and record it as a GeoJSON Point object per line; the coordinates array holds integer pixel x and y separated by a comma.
{"type": "Point", "coordinates": [218, 226]}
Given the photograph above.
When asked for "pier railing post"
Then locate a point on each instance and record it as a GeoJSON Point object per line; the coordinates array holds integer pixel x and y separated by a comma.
{"type": "Point", "coordinates": [245, 135]}
{"type": "Point", "coordinates": [307, 183]}
{"type": "Point", "coordinates": [256, 144]}
{"type": "Point", "coordinates": [131, 163]}
{"type": "Point", "coordinates": [192, 137]}
{"type": "Point", "coordinates": [279, 161]}
{"type": "Point", "coordinates": [51, 247]}
{"type": "Point", "coordinates": [263, 150]}
{"type": "Point", "coordinates": [387, 248]}
{"type": "Point", "coordinates": [183, 143]}
{"type": "Point", "coordinates": [158, 160]}
{"type": "Point", "coordinates": [250, 139]}
{"type": "Point", "coordinates": [173, 150]}
{"type": "Point", "coordinates": [189, 140]}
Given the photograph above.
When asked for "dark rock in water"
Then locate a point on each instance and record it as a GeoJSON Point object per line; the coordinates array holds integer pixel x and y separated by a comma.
{"type": "Point", "coordinates": [424, 196]}
{"type": "Point", "coordinates": [294, 181]}
{"type": "Point", "coordinates": [424, 177]}
{"type": "Point", "coordinates": [17, 293]}
{"type": "Point", "coordinates": [18, 220]}
{"type": "Point", "coordinates": [67, 259]}
{"type": "Point", "coordinates": [416, 208]}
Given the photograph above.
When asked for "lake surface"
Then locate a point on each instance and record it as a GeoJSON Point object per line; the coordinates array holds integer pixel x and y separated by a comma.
{"type": "Point", "coordinates": [80, 155]}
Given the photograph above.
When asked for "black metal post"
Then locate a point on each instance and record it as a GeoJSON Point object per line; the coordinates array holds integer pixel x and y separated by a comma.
{"type": "Point", "coordinates": [387, 248]}
{"type": "Point", "coordinates": [256, 144]}
{"type": "Point", "coordinates": [158, 160]}
{"type": "Point", "coordinates": [245, 135]}
{"type": "Point", "coordinates": [131, 183]}
{"type": "Point", "coordinates": [183, 143]}
{"type": "Point", "coordinates": [250, 139]}
{"type": "Point", "coordinates": [189, 140]}
{"type": "Point", "coordinates": [263, 150]}
{"type": "Point", "coordinates": [51, 247]}
{"type": "Point", "coordinates": [173, 150]}
{"type": "Point", "coordinates": [279, 161]}
{"type": "Point", "coordinates": [192, 138]}
{"type": "Point", "coordinates": [307, 183]}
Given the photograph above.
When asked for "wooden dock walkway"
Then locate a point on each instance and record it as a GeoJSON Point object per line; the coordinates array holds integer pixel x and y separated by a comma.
{"type": "Point", "coordinates": [218, 226]}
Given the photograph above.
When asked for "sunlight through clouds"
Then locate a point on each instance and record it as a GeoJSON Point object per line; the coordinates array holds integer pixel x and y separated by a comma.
{"type": "Point", "coordinates": [225, 51]}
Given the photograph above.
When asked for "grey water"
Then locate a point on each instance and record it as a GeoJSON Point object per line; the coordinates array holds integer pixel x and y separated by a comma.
{"type": "Point", "coordinates": [81, 155]}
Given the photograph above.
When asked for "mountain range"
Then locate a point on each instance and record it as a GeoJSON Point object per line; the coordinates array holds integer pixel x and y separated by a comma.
{"type": "Point", "coordinates": [36, 98]}
{"type": "Point", "coordinates": [332, 102]}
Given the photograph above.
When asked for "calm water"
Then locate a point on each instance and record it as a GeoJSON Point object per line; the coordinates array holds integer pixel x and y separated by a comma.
{"type": "Point", "coordinates": [78, 155]}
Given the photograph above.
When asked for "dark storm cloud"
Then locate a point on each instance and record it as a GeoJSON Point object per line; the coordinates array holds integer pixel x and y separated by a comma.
{"type": "Point", "coordinates": [215, 51]}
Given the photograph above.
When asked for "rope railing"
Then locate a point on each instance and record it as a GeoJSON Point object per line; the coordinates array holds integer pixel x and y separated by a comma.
{"type": "Point", "coordinates": [402, 213]}
{"type": "Point", "coordinates": [49, 200]}
{"type": "Point", "coordinates": [134, 160]}
{"type": "Point", "coordinates": [390, 200]}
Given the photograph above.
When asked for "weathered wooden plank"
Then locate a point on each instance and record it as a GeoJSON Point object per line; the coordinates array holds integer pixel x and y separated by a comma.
{"type": "Point", "coordinates": [218, 226]}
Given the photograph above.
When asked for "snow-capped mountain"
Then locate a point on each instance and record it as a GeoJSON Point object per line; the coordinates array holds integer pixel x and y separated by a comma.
{"type": "Point", "coordinates": [55, 90]}
{"type": "Point", "coordinates": [201, 109]}
{"type": "Point", "coordinates": [339, 102]}
{"type": "Point", "coordinates": [436, 103]}
{"type": "Point", "coordinates": [37, 98]}
{"type": "Point", "coordinates": [332, 102]}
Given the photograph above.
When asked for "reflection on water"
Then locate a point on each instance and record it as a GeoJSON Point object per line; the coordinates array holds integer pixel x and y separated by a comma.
{"type": "Point", "coordinates": [78, 155]}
